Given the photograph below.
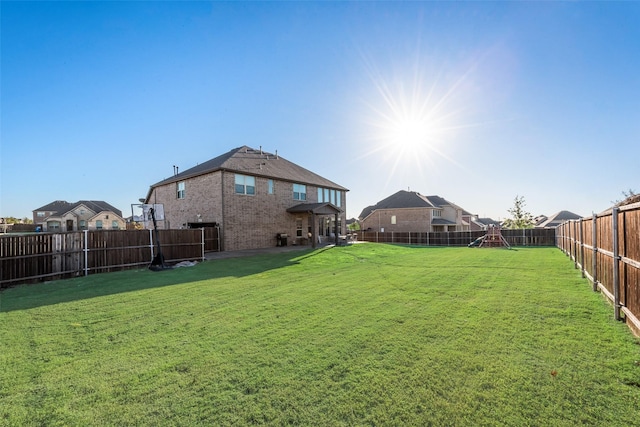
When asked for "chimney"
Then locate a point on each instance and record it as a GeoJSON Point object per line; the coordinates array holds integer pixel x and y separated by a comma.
{"type": "Point", "coordinates": [277, 155]}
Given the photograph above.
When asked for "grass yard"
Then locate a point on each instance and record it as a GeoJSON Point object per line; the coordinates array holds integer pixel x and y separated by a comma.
{"type": "Point", "coordinates": [368, 334]}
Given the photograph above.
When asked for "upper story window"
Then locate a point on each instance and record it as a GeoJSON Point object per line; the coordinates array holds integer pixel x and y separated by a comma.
{"type": "Point", "coordinates": [437, 213]}
{"type": "Point", "coordinates": [393, 219]}
{"type": "Point", "coordinates": [326, 195]}
{"type": "Point", "coordinates": [270, 188]}
{"type": "Point", "coordinates": [180, 190]}
{"type": "Point", "coordinates": [245, 184]}
{"type": "Point", "coordinates": [299, 192]}
{"type": "Point", "coordinates": [40, 214]}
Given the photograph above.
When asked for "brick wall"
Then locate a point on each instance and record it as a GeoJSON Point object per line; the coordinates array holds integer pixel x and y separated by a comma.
{"type": "Point", "coordinates": [408, 219]}
{"type": "Point", "coordinates": [248, 221]}
{"type": "Point", "coordinates": [202, 197]}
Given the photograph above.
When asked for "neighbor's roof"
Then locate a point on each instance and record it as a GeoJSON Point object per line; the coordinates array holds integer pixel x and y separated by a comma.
{"type": "Point", "coordinates": [442, 221]}
{"type": "Point", "coordinates": [254, 162]}
{"type": "Point", "coordinates": [488, 221]}
{"type": "Point", "coordinates": [558, 218]}
{"type": "Point", "coordinates": [400, 200]}
{"type": "Point", "coordinates": [407, 199]}
{"type": "Point", "coordinates": [61, 207]}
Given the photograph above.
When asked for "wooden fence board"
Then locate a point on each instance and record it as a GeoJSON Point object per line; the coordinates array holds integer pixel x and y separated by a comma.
{"type": "Point", "coordinates": [612, 268]}
{"type": "Point", "coordinates": [50, 256]}
{"type": "Point", "coordinates": [528, 237]}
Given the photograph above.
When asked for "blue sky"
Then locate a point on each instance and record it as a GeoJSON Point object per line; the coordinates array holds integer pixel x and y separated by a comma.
{"type": "Point", "coordinates": [476, 102]}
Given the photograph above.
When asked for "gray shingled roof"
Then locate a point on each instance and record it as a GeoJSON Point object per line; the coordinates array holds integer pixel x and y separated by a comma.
{"type": "Point", "coordinates": [442, 221]}
{"type": "Point", "coordinates": [558, 218]}
{"type": "Point", "coordinates": [488, 221]}
{"type": "Point", "coordinates": [61, 207]}
{"type": "Point", "coordinates": [254, 162]}
{"type": "Point", "coordinates": [401, 199]}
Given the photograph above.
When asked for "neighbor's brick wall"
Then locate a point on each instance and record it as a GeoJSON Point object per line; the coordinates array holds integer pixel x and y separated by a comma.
{"type": "Point", "coordinates": [407, 220]}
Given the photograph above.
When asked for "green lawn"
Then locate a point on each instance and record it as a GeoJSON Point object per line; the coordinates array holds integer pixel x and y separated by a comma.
{"type": "Point", "coordinates": [368, 334]}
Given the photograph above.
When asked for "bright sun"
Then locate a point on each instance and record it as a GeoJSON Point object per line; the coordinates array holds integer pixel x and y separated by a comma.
{"type": "Point", "coordinates": [410, 133]}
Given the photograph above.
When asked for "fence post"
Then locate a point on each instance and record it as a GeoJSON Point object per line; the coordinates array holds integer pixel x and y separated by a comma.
{"type": "Point", "coordinates": [151, 244]}
{"type": "Point", "coordinates": [202, 234]}
{"type": "Point", "coordinates": [581, 249]}
{"type": "Point", "coordinates": [86, 252]}
{"type": "Point", "coordinates": [616, 266]}
{"type": "Point", "coordinates": [575, 243]}
{"type": "Point", "coordinates": [594, 275]}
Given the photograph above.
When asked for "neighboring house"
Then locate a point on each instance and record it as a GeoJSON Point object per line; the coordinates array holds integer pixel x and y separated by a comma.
{"type": "Point", "coordinates": [539, 220]}
{"type": "Point", "coordinates": [410, 211]}
{"type": "Point", "coordinates": [83, 215]}
{"type": "Point", "coordinates": [557, 219]}
{"type": "Point", "coordinates": [253, 196]}
{"type": "Point", "coordinates": [473, 223]}
{"type": "Point", "coordinates": [486, 222]}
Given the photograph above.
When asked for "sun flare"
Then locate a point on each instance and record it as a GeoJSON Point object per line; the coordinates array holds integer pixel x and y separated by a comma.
{"type": "Point", "coordinates": [409, 132]}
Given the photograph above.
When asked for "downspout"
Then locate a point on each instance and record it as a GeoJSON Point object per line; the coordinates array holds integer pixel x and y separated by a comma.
{"type": "Point", "coordinates": [222, 223]}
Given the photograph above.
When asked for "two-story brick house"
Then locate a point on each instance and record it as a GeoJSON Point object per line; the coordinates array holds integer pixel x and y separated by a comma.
{"type": "Point", "coordinates": [410, 211]}
{"type": "Point", "coordinates": [61, 215]}
{"type": "Point", "coordinates": [252, 196]}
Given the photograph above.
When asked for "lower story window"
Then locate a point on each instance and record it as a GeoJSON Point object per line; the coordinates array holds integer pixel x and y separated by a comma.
{"type": "Point", "coordinates": [99, 225]}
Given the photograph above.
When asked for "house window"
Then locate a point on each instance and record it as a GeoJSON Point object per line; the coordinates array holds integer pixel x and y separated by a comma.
{"type": "Point", "coordinates": [270, 186]}
{"type": "Point", "coordinates": [332, 196]}
{"type": "Point", "coordinates": [53, 225]}
{"type": "Point", "coordinates": [40, 214]}
{"type": "Point", "coordinates": [299, 192]}
{"type": "Point", "coordinates": [245, 184]}
{"type": "Point", "coordinates": [99, 224]}
{"type": "Point", "coordinates": [83, 224]}
{"type": "Point", "coordinates": [114, 224]}
{"type": "Point", "coordinates": [180, 190]}
{"type": "Point", "coordinates": [82, 212]}
{"type": "Point", "coordinates": [393, 219]}
{"type": "Point", "coordinates": [437, 214]}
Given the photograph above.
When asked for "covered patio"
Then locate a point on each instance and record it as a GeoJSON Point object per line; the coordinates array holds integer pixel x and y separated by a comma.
{"type": "Point", "coordinates": [314, 210]}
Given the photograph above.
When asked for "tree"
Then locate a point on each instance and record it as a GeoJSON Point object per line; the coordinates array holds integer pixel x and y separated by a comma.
{"type": "Point", "coordinates": [627, 195]}
{"type": "Point", "coordinates": [519, 217]}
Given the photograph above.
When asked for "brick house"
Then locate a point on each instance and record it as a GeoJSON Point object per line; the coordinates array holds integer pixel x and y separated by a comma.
{"type": "Point", "coordinates": [410, 211]}
{"type": "Point", "coordinates": [253, 196]}
{"type": "Point", "coordinates": [62, 216]}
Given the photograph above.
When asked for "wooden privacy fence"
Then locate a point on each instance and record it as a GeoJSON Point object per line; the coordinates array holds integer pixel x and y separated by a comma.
{"type": "Point", "coordinates": [606, 248]}
{"type": "Point", "coordinates": [49, 256]}
{"type": "Point", "coordinates": [522, 237]}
